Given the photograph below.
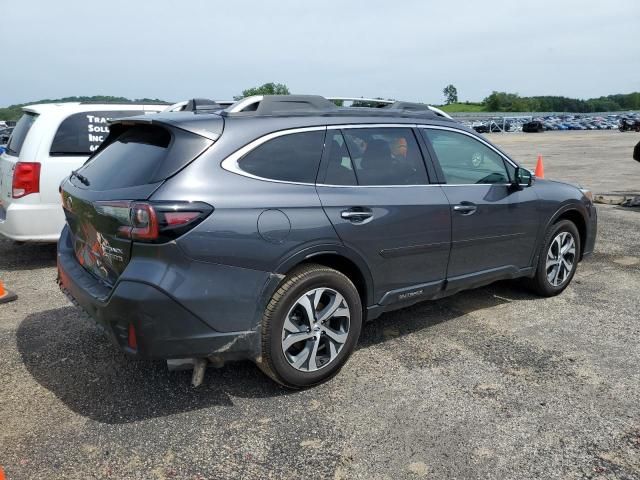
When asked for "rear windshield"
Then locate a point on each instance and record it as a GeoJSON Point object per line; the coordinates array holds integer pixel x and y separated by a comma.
{"type": "Point", "coordinates": [82, 133]}
{"type": "Point", "coordinates": [141, 154]}
{"type": "Point", "coordinates": [20, 133]}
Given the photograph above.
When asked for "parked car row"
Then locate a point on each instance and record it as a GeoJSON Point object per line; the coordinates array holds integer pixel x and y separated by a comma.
{"type": "Point", "coordinates": [581, 122]}
{"type": "Point", "coordinates": [623, 122]}
{"type": "Point", "coordinates": [629, 124]}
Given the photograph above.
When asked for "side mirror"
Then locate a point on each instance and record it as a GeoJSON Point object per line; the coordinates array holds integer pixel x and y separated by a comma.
{"type": "Point", "coordinates": [523, 177]}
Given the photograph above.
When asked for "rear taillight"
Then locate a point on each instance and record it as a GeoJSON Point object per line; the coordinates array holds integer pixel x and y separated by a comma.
{"type": "Point", "coordinates": [26, 179]}
{"type": "Point", "coordinates": [175, 219]}
{"type": "Point", "coordinates": [155, 222]}
{"type": "Point", "coordinates": [144, 222]}
{"type": "Point", "coordinates": [163, 221]}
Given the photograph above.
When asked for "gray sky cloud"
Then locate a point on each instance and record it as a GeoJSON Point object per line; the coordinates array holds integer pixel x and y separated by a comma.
{"type": "Point", "coordinates": [407, 49]}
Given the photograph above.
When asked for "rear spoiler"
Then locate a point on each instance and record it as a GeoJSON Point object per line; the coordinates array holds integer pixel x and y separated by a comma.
{"type": "Point", "coordinates": [209, 126]}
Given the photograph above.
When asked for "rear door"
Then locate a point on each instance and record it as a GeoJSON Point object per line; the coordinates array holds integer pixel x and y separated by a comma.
{"type": "Point", "coordinates": [494, 226]}
{"type": "Point", "coordinates": [133, 163]}
{"type": "Point", "coordinates": [374, 188]}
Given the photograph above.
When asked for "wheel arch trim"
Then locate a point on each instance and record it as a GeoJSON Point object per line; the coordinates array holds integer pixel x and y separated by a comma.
{"type": "Point", "coordinates": [307, 255]}
{"type": "Point", "coordinates": [569, 206]}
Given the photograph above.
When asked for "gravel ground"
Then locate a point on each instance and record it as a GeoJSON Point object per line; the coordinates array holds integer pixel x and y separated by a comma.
{"type": "Point", "coordinates": [490, 383]}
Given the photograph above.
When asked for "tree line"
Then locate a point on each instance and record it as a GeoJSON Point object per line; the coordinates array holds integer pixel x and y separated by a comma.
{"type": "Point", "coordinates": [512, 102]}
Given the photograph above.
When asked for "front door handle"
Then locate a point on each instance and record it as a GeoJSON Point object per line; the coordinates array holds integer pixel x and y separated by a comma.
{"type": "Point", "coordinates": [357, 214]}
{"type": "Point", "coordinates": [466, 208]}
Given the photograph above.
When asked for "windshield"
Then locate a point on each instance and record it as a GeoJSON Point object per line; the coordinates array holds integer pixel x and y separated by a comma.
{"type": "Point", "coordinates": [20, 133]}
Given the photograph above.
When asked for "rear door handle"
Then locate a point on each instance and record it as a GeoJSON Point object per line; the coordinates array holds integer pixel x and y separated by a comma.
{"type": "Point", "coordinates": [466, 208]}
{"type": "Point", "coordinates": [357, 214]}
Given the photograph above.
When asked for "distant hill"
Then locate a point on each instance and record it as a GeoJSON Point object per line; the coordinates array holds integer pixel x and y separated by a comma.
{"type": "Point", "coordinates": [14, 112]}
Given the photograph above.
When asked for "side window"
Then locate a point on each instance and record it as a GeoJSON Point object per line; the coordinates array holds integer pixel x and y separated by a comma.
{"type": "Point", "coordinates": [339, 167]}
{"type": "Point", "coordinates": [82, 133]}
{"type": "Point", "coordinates": [385, 156]}
{"type": "Point", "coordinates": [465, 160]}
{"type": "Point", "coordinates": [294, 157]}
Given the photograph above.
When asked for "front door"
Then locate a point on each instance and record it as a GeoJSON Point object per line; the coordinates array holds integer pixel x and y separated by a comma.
{"type": "Point", "coordinates": [374, 188]}
{"type": "Point", "coordinates": [494, 225]}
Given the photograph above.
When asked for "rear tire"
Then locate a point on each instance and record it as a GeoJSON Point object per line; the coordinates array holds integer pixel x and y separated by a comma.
{"type": "Point", "coordinates": [558, 259]}
{"type": "Point", "coordinates": [310, 327]}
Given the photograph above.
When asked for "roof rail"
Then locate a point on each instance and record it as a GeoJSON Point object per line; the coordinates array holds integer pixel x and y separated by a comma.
{"type": "Point", "coordinates": [417, 107]}
{"type": "Point", "coordinates": [199, 105]}
{"type": "Point", "coordinates": [313, 104]}
{"type": "Point", "coordinates": [394, 104]}
{"type": "Point", "coordinates": [399, 105]}
{"type": "Point", "coordinates": [380, 102]}
{"type": "Point", "coordinates": [440, 113]}
{"type": "Point", "coordinates": [271, 104]}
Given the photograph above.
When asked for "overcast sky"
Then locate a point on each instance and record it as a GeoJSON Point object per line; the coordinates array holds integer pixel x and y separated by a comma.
{"type": "Point", "coordinates": [403, 49]}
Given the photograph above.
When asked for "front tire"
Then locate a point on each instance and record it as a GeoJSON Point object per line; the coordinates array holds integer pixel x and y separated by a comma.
{"type": "Point", "coordinates": [558, 259]}
{"type": "Point", "coordinates": [310, 327]}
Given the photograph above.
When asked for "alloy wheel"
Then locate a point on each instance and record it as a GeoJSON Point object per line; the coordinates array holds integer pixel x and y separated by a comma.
{"type": "Point", "coordinates": [560, 258]}
{"type": "Point", "coordinates": [315, 329]}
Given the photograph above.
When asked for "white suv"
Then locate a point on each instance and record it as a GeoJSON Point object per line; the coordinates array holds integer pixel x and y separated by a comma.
{"type": "Point", "coordinates": [48, 142]}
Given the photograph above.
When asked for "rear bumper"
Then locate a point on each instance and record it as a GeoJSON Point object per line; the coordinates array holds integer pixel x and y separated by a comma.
{"type": "Point", "coordinates": [25, 222]}
{"type": "Point", "coordinates": [164, 327]}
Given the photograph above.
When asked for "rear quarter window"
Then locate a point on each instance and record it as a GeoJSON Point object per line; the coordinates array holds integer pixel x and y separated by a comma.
{"type": "Point", "coordinates": [82, 133]}
{"type": "Point", "coordinates": [293, 157]}
{"type": "Point", "coordinates": [20, 132]}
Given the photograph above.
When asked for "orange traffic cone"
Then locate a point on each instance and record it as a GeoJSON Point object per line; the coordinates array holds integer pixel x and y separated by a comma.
{"type": "Point", "coordinates": [540, 168]}
{"type": "Point", "coordinates": [5, 297]}
{"type": "Point", "coordinates": [2, 477]}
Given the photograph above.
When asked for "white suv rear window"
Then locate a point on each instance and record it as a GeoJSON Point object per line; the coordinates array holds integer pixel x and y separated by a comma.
{"type": "Point", "coordinates": [82, 133]}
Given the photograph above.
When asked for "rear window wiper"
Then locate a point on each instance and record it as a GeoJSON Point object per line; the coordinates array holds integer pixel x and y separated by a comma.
{"type": "Point", "coordinates": [79, 176]}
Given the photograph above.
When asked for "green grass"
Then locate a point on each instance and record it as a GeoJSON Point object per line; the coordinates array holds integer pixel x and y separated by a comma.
{"type": "Point", "coordinates": [463, 107]}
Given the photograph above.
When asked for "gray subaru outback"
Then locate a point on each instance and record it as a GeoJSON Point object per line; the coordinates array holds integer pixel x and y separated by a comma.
{"type": "Point", "coordinates": [273, 229]}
